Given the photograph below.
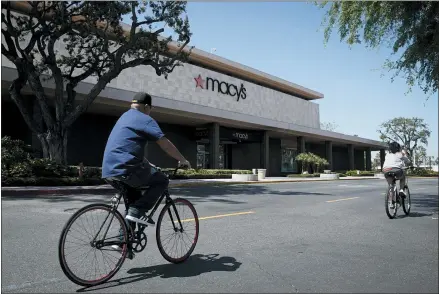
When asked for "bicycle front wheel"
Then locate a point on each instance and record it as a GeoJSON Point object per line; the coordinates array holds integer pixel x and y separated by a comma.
{"type": "Point", "coordinates": [406, 201]}
{"type": "Point", "coordinates": [176, 239]}
{"type": "Point", "coordinates": [86, 260]}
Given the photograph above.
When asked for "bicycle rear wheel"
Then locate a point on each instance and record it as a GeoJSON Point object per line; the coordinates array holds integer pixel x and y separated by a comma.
{"type": "Point", "coordinates": [86, 224]}
{"type": "Point", "coordinates": [406, 201]}
{"type": "Point", "coordinates": [391, 213]}
{"type": "Point", "coordinates": [168, 227]}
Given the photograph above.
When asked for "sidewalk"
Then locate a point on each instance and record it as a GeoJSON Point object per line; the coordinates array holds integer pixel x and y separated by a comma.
{"type": "Point", "coordinates": [102, 189]}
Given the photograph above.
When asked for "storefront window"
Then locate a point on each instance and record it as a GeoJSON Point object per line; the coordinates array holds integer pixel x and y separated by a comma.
{"type": "Point", "coordinates": [289, 164]}
{"type": "Point", "coordinates": [221, 156]}
{"type": "Point", "coordinates": [203, 156]}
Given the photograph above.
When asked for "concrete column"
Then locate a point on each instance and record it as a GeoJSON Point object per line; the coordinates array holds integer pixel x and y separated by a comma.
{"type": "Point", "coordinates": [351, 157]}
{"type": "Point", "coordinates": [300, 149]}
{"type": "Point", "coordinates": [265, 150]}
{"type": "Point", "coordinates": [301, 144]}
{"type": "Point", "coordinates": [382, 158]}
{"type": "Point", "coordinates": [368, 158]}
{"type": "Point", "coordinates": [214, 140]}
{"type": "Point", "coordinates": [328, 147]}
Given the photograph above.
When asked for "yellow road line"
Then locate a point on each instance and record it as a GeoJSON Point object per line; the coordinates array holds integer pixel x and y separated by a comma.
{"type": "Point", "coordinates": [342, 199]}
{"type": "Point", "coordinates": [216, 216]}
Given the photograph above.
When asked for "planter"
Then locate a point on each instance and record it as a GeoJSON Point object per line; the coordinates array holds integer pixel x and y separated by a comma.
{"type": "Point", "coordinates": [327, 171]}
{"type": "Point", "coordinates": [379, 175]}
{"type": "Point", "coordinates": [255, 171]}
{"type": "Point", "coordinates": [261, 173]}
{"type": "Point", "coordinates": [244, 177]}
{"type": "Point", "coordinates": [329, 176]}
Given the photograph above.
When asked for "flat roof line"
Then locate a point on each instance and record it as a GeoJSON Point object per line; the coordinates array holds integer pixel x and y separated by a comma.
{"type": "Point", "coordinates": [217, 63]}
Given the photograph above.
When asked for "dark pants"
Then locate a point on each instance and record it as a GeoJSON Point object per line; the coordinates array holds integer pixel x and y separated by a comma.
{"type": "Point", "coordinates": [157, 182]}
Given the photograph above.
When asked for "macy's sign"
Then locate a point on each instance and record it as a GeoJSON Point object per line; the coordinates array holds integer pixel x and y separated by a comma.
{"type": "Point", "coordinates": [221, 87]}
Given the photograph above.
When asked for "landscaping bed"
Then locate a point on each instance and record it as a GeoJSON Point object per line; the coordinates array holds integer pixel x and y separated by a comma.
{"type": "Point", "coordinates": [20, 168]}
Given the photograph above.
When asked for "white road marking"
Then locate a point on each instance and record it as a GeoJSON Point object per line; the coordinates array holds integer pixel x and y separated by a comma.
{"type": "Point", "coordinates": [15, 287]}
{"type": "Point", "coordinates": [354, 186]}
{"type": "Point", "coordinates": [343, 199]}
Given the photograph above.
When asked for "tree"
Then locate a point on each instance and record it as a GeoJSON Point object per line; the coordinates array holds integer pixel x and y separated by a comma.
{"type": "Point", "coordinates": [95, 45]}
{"type": "Point", "coordinates": [408, 27]}
{"type": "Point", "coordinates": [420, 155]}
{"type": "Point", "coordinates": [328, 126]}
{"type": "Point", "coordinates": [411, 133]}
{"type": "Point", "coordinates": [436, 161]}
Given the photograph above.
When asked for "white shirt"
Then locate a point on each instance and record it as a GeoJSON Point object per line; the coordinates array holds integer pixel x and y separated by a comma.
{"type": "Point", "coordinates": [396, 160]}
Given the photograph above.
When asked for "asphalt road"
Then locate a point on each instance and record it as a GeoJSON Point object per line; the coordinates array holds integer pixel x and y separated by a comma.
{"type": "Point", "coordinates": [294, 241]}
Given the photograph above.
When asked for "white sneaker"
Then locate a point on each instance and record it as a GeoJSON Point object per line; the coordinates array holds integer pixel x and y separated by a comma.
{"type": "Point", "coordinates": [402, 194]}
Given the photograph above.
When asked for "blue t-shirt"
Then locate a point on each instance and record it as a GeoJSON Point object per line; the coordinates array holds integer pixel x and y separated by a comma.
{"type": "Point", "coordinates": [126, 144]}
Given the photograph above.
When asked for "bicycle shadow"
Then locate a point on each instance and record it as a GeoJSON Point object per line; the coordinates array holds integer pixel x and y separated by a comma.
{"type": "Point", "coordinates": [195, 265]}
{"type": "Point", "coordinates": [415, 214]}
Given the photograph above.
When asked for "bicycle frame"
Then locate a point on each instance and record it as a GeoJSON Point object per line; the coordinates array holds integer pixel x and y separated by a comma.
{"type": "Point", "coordinates": [393, 187]}
{"type": "Point", "coordinates": [115, 204]}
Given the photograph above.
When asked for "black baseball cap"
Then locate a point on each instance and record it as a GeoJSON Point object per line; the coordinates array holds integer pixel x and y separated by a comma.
{"type": "Point", "coordinates": [142, 98]}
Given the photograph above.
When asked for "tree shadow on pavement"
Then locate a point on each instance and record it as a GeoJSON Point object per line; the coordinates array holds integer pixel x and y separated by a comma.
{"type": "Point", "coordinates": [427, 204]}
{"type": "Point", "coordinates": [195, 265]}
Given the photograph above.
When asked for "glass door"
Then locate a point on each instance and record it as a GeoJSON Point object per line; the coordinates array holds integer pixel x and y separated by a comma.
{"type": "Point", "coordinates": [289, 164]}
{"type": "Point", "coordinates": [203, 156]}
{"type": "Point", "coordinates": [221, 157]}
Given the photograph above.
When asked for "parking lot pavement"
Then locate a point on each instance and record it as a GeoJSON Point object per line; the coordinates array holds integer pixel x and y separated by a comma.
{"type": "Point", "coordinates": [288, 237]}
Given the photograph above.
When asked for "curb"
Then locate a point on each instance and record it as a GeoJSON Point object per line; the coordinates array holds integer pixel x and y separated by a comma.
{"type": "Point", "coordinates": [100, 191]}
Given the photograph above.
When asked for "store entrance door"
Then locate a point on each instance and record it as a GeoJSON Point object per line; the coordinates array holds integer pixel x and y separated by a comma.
{"type": "Point", "coordinates": [203, 156]}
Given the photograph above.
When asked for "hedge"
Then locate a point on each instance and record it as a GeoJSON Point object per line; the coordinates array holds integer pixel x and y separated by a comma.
{"type": "Point", "coordinates": [90, 181]}
{"type": "Point", "coordinates": [50, 181]}
{"type": "Point", "coordinates": [20, 168]}
{"type": "Point", "coordinates": [363, 173]}
{"type": "Point", "coordinates": [312, 175]}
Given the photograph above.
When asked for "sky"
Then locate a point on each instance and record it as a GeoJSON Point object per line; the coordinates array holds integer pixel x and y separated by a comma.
{"type": "Point", "coordinates": [285, 39]}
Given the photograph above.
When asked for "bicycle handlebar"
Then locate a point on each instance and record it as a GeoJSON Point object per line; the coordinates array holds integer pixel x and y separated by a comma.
{"type": "Point", "coordinates": [169, 173]}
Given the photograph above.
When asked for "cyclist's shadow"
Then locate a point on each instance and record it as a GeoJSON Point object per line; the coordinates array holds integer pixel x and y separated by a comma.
{"type": "Point", "coordinates": [195, 265]}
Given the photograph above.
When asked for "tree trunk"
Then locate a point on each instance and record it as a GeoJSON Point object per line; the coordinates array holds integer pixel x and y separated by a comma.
{"type": "Point", "coordinates": [54, 143]}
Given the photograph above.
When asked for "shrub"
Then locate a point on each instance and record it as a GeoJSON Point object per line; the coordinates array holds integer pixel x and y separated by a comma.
{"type": "Point", "coordinates": [44, 167]}
{"type": "Point", "coordinates": [312, 160]}
{"type": "Point", "coordinates": [316, 175]}
{"type": "Point", "coordinates": [362, 173]}
{"type": "Point", "coordinates": [13, 152]}
{"type": "Point", "coordinates": [50, 181]}
{"type": "Point", "coordinates": [422, 172]}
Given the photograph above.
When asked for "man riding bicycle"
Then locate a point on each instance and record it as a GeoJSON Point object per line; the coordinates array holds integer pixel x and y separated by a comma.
{"type": "Point", "coordinates": [394, 162]}
{"type": "Point", "coordinates": [124, 156]}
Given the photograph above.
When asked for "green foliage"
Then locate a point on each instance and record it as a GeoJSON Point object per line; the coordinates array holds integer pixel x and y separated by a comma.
{"type": "Point", "coordinates": [310, 159]}
{"type": "Point", "coordinates": [409, 28]}
{"type": "Point", "coordinates": [50, 181]}
{"type": "Point", "coordinates": [422, 172]}
{"type": "Point", "coordinates": [362, 173]}
{"type": "Point", "coordinates": [93, 44]}
{"type": "Point", "coordinates": [409, 132]}
{"type": "Point", "coordinates": [13, 151]}
{"type": "Point", "coordinates": [19, 168]}
{"type": "Point", "coordinates": [315, 175]}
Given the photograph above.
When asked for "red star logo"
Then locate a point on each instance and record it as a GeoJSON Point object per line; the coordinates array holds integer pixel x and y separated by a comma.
{"type": "Point", "coordinates": [199, 81]}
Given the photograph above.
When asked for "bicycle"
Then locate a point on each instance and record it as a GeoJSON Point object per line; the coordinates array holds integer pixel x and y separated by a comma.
{"type": "Point", "coordinates": [129, 236]}
{"type": "Point", "coordinates": [400, 200]}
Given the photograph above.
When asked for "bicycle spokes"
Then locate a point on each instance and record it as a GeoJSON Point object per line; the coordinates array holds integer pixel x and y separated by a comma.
{"type": "Point", "coordinates": [177, 230]}
{"type": "Point", "coordinates": [86, 251]}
